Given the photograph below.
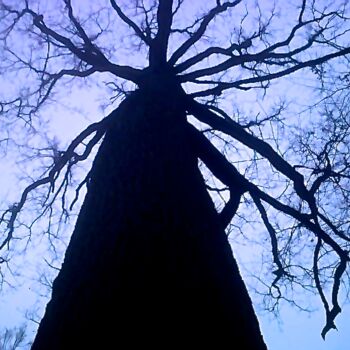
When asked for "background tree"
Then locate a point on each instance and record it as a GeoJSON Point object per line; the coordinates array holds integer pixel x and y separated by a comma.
{"type": "Point", "coordinates": [299, 189]}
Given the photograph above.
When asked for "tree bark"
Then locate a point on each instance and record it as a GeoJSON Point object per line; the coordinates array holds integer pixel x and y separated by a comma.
{"type": "Point", "coordinates": [148, 263]}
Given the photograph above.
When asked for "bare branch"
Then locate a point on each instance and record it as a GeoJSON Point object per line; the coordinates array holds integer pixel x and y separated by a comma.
{"type": "Point", "coordinates": [242, 84]}
{"type": "Point", "coordinates": [98, 61]}
{"type": "Point", "coordinates": [229, 175]}
{"type": "Point", "coordinates": [145, 38]}
{"type": "Point", "coordinates": [280, 272]}
{"type": "Point", "coordinates": [217, 163]}
{"type": "Point", "coordinates": [230, 209]}
{"type": "Point", "coordinates": [208, 52]}
{"type": "Point", "coordinates": [232, 128]}
{"type": "Point", "coordinates": [220, 8]}
{"type": "Point", "coordinates": [69, 157]}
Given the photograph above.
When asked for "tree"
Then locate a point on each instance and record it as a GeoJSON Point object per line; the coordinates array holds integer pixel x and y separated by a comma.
{"type": "Point", "coordinates": [149, 249]}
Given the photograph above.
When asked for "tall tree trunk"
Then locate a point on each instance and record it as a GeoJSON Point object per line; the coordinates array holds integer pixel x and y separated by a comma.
{"type": "Point", "coordinates": [148, 263]}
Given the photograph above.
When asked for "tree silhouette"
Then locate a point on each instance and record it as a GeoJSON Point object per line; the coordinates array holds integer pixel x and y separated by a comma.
{"type": "Point", "coordinates": [149, 259]}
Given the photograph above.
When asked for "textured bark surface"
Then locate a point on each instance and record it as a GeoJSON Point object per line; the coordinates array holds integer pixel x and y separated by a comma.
{"type": "Point", "coordinates": [148, 264]}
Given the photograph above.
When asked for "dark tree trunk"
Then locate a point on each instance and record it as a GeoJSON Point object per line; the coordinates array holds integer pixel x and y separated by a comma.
{"type": "Point", "coordinates": [148, 264]}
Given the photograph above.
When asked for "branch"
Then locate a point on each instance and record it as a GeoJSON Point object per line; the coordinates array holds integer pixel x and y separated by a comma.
{"type": "Point", "coordinates": [264, 56]}
{"type": "Point", "coordinates": [222, 169]}
{"type": "Point", "coordinates": [329, 322]}
{"type": "Point", "coordinates": [53, 79]}
{"type": "Point", "coordinates": [69, 157]}
{"type": "Point", "coordinates": [98, 61]}
{"type": "Point", "coordinates": [201, 30]}
{"type": "Point", "coordinates": [230, 176]}
{"type": "Point", "coordinates": [241, 84]}
{"type": "Point", "coordinates": [208, 52]}
{"type": "Point", "coordinates": [130, 23]}
{"type": "Point", "coordinates": [230, 209]}
{"type": "Point", "coordinates": [79, 28]}
{"type": "Point", "coordinates": [235, 130]}
{"type": "Point", "coordinates": [280, 272]}
{"type": "Point", "coordinates": [216, 161]}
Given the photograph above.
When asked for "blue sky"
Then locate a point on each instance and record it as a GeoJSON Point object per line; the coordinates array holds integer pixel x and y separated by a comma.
{"type": "Point", "coordinates": [302, 331]}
